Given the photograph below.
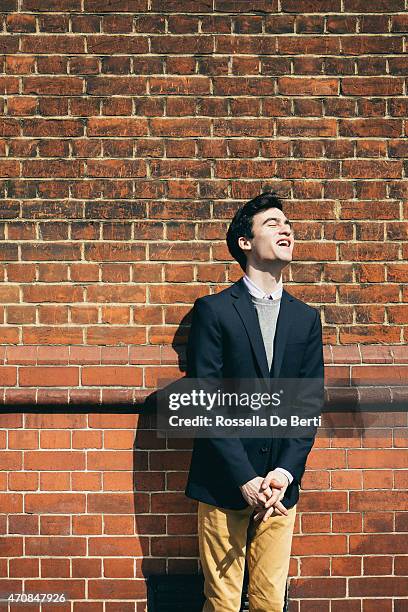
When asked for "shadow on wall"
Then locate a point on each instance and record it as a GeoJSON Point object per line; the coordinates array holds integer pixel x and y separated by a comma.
{"type": "Point", "coordinates": [166, 520]}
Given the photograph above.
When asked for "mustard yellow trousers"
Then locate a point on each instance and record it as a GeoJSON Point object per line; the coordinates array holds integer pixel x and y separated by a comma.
{"type": "Point", "coordinates": [226, 537]}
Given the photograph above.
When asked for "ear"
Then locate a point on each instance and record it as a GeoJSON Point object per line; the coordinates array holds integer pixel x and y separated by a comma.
{"type": "Point", "coordinates": [244, 243]}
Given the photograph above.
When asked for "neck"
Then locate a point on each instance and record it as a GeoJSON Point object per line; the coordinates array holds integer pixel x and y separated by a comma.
{"type": "Point", "coordinates": [267, 280]}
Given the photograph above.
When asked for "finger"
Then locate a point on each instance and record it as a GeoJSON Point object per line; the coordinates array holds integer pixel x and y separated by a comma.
{"type": "Point", "coordinates": [268, 513]}
{"type": "Point", "coordinates": [279, 506]}
{"type": "Point", "coordinates": [276, 483]}
{"type": "Point", "coordinates": [266, 481]}
{"type": "Point", "coordinates": [273, 499]}
{"type": "Point", "coordinates": [275, 492]}
{"type": "Point", "coordinates": [264, 495]}
{"type": "Point", "coordinates": [278, 494]}
{"type": "Point", "coordinates": [258, 503]}
{"type": "Point", "coordinates": [278, 499]}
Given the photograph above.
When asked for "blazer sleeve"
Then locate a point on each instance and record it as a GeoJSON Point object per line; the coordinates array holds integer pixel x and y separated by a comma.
{"type": "Point", "coordinates": [205, 360]}
{"type": "Point", "coordinates": [294, 451]}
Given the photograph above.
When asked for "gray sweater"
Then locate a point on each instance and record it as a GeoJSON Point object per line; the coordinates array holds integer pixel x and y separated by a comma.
{"type": "Point", "coordinates": [267, 311]}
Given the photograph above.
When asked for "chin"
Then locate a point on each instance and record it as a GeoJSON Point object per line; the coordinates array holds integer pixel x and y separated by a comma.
{"type": "Point", "coordinates": [284, 256]}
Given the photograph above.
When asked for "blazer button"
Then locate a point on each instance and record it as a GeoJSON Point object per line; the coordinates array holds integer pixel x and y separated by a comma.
{"type": "Point", "coordinates": [264, 449]}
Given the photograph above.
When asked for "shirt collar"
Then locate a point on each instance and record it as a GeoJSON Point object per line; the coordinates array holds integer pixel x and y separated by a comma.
{"type": "Point", "coordinates": [260, 293]}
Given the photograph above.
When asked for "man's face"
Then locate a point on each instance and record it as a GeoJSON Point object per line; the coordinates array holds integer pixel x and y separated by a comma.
{"type": "Point", "coordinates": [273, 238]}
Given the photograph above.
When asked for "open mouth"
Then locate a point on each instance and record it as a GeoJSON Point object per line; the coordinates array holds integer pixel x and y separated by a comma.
{"type": "Point", "coordinates": [283, 243]}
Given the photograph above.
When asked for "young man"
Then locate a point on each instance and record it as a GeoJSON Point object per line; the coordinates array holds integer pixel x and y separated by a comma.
{"type": "Point", "coordinates": [248, 488]}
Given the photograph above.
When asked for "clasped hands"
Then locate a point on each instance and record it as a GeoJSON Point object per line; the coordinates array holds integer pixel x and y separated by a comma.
{"type": "Point", "coordinates": [264, 495]}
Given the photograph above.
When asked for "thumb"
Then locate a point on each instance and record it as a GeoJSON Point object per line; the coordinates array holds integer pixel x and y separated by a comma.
{"type": "Point", "coordinates": [269, 479]}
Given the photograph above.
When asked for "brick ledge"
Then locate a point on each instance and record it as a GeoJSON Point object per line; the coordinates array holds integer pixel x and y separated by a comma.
{"type": "Point", "coordinates": [357, 376]}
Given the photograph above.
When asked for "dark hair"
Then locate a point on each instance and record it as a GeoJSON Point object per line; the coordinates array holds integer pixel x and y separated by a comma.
{"type": "Point", "coordinates": [241, 224]}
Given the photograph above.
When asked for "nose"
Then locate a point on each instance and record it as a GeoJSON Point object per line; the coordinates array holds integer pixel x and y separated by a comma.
{"type": "Point", "coordinates": [285, 230]}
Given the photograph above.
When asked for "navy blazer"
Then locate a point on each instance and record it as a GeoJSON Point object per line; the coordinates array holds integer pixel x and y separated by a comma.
{"type": "Point", "coordinates": [225, 341]}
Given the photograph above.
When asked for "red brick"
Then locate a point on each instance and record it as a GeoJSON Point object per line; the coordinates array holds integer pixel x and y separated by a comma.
{"type": "Point", "coordinates": [101, 126]}
{"type": "Point", "coordinates": [308, 86]}
{"type": "Point", "coordinates": [112, 376]}
{"type": "Point", "coordinates": [347, 522]}
{"type": "Point", "coordinates": [378, 479]}
{"type": "Point", "coordinates": [306, 127]}
{"type": "Point", "coordinates": [48, 376]}
{"type": "Point", "coordinates": [310, 6]}
{"type": "Point", "coordinates": [346, 566]}
{"type": "Point", "coordinates": [355, 6]}
{"type": "Point", "coordinates": [345, 479]}
{"type": "Point", "coordinates": [317, 566]}
{"type": "Point", "coordinates": [301, 169]}
{"type": "Point", "coordinates": [394, 500]}
{"type": "Point", "coordinates": [377, 565]}
{"type": "Point", "coordinates": [314, 587]}
{"type": "Point", "coordinates": [371, 86]}
{"type": "Point", "coordinates": [371, 169]}
{"type": "Point", "coordinates": [378, 586]}
{"type": "Point", "coordinates": [315, 523]}
{"type": "Point", "coordinates": [175, 546]}
{"type": "Point", "coordinates": [378, 544]}
{"type": "Point", "coordinates": [305, 45]}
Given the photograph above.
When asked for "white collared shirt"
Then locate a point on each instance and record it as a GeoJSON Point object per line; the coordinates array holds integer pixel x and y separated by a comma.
{"type": "Point", "coordinates": [260, 293]}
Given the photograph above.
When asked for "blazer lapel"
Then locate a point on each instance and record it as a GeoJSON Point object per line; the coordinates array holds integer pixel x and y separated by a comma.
{"type": "Point", "coordinates": [243, 304]}
{"type": "Point", "coordinates": [283, 324]}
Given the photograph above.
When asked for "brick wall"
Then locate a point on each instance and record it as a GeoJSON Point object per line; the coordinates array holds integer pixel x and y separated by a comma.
{"type": "Point", "coordinates": [130, 130]}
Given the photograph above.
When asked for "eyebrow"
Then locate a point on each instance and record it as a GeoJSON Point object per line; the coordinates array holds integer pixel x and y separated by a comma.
{"type": "Point", "coordinates": [287, 222]}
